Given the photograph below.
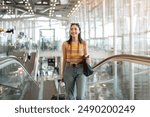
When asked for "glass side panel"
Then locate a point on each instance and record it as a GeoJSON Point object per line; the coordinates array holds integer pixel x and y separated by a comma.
{"type": "Point", "coordinates": [120, 81]}
{"type": "Point", "coordinates": [13, 82]}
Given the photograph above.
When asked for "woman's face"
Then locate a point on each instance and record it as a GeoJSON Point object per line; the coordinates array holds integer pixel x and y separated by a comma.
{"type": "Point", "coordinates": [74, 31]}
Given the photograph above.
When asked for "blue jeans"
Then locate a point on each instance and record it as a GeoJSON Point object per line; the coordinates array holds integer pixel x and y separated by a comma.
{"type": "Point", "coordinates": [74, 78]}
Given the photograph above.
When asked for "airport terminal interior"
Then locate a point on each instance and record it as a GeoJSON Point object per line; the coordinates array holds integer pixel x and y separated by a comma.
{"type": "Point", "coordinates": [31, 37]}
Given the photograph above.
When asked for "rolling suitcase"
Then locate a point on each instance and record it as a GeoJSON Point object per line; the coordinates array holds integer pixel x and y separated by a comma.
{"type": "Point", "coordinates": [60, 95]}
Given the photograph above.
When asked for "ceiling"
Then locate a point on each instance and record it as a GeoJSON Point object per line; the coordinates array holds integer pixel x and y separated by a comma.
{"type": "Point", "coordinates": [57, 9]}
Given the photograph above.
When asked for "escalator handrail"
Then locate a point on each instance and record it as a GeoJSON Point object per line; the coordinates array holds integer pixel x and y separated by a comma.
{"type": "Point", "coordinates": [16, 60]}
{"type": "Point", "coordinates": [125, 57]}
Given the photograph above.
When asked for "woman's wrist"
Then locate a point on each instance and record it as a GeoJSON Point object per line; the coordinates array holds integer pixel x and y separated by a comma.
{"type": "Point", "coordinates": [62, 78]}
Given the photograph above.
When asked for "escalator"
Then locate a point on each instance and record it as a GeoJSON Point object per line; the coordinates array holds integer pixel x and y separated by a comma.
{"type": "Point", "coordinates": [15, 81]}
{"type": "Point", "coordinates": [24, 58]}
{"type": "Point", "coordinates": [119, 77]}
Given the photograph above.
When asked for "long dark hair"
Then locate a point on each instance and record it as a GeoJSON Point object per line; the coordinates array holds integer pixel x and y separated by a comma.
{"type": "Point", "coordinates": [79, 35]}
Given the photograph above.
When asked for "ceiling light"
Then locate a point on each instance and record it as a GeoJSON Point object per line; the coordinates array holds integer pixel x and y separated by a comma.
{"type": "Point", "coordinates": [45, 2]}
{"type": "Point", "coordinates": [76, 5]}
{"type": "Point", "coordinates": [8, 1]}
{"type": "Point", "coordinates": [58, 15]}
{"type": "Point", "coordinates": [38, 3]}
{"type": "Point", "coordinates": [104, 85]}
{"type": "Point", "coordinates": [20, 2]}
{"type": "Point", "coordinates": [79, 1]}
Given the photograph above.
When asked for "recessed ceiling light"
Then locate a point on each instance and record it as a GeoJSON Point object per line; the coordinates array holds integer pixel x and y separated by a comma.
{"type": "Point", "coordinates": [38, 3]}
{"type": "Point", "coordinates": [8, 1]}
{"type": "Point", "coordinates": [45, 2]}
{"type": "Point", "coordinates": [20, 2]}
{"type": "Point", "coordinates": [58, 15]}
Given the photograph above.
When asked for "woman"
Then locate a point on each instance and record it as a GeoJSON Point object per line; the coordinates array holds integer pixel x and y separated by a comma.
{"type": "Point", "coordinates": [74, 50]}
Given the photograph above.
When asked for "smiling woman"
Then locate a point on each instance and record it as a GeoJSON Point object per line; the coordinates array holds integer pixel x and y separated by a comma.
{"type": "Point", "coordinates": [74, 51]}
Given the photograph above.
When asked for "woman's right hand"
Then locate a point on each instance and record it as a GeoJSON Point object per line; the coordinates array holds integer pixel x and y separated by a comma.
{"type": "Point", "coordinates": [62, 80]}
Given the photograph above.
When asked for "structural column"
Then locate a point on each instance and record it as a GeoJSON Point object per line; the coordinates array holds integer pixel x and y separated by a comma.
{"type": "Point", "coordinates": [131, 42]}
{"type": "Point", "coordinates": [115, 46]}
{"type": "Point", "coordinates": [103, 20]}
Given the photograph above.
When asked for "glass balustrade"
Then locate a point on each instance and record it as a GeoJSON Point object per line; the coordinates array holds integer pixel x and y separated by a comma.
{"type": "Point", "coordinates": [120, 80]}
{"type": "Point", "coordinates": [15, 82]}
